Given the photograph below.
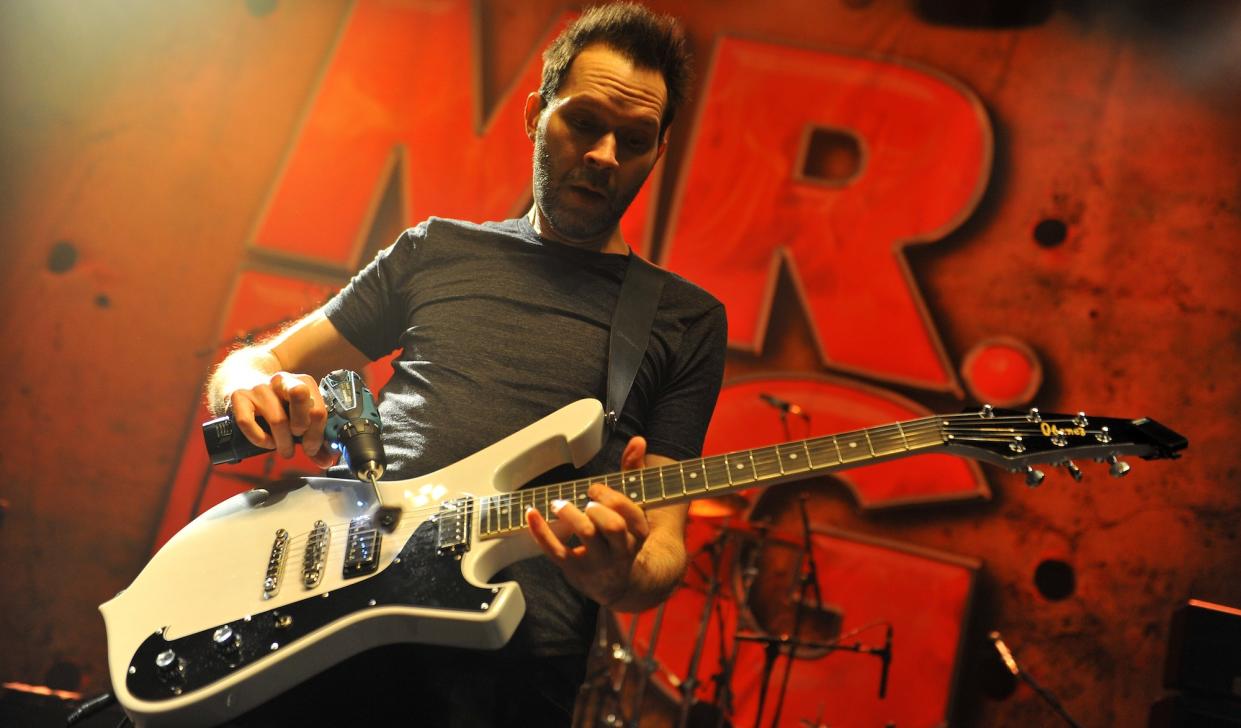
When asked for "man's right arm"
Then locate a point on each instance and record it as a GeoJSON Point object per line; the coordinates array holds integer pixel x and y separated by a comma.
{"type": "Point", "coordinates": [260, 380]}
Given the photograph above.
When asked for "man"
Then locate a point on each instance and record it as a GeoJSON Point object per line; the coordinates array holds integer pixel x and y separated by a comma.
{"type": "Point", "coordinates": [500, 324]}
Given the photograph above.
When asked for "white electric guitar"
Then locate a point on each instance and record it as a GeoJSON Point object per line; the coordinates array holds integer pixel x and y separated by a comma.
{"type": "Point", "coordinates": [271, 587]}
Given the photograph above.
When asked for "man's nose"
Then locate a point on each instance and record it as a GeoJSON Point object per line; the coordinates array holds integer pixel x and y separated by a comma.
{"type": "Point", "coordinates": [603, 152]}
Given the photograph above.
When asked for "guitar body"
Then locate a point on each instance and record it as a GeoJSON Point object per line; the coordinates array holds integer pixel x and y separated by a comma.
{"type": "Point", "coordinates": [283, 585]}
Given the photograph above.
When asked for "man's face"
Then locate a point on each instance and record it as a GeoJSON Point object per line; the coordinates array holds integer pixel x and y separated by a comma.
{"type": "Point", "coordinates": [595, 144]}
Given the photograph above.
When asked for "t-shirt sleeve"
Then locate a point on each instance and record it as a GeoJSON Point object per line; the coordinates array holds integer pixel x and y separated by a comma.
{"type": "Point", "coordinates": [678, 422]}
{"type": "Point", "coordinates": [369, 311]}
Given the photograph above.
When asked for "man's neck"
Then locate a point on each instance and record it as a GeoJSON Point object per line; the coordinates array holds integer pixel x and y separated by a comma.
{"type": "Point", "coordinates": [614, 243]}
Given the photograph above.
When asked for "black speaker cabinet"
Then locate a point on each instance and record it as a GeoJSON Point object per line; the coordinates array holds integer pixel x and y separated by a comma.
{"type": "Point", "coordinates": [1204, 650]}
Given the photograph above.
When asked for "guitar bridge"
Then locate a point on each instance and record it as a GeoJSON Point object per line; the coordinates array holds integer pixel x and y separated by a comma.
{"type": "Point", "coordinates": [453, 526]}
{"type": "Point", "coordinates": [275, 564]}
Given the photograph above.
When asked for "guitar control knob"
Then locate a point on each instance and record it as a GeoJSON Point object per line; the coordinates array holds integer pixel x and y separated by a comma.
{"type": "Point", "coordinates": [226, 640]}
{"type": "Point", "coordinates": [1034, 478]}
{"type": "Point", "coordinates": [1074, 471]}
{"type": "Point", "coordinates": [1119, 468]}
{"type": "Point", "coordinates": [171, 669]}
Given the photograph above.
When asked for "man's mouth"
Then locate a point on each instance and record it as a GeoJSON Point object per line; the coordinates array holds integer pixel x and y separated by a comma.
{"type": "Point", "coordinates": [588, 191]}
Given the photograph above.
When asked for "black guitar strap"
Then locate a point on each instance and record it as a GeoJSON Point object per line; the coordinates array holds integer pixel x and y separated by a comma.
{"type": "Point", "coordinates": [631, 330]}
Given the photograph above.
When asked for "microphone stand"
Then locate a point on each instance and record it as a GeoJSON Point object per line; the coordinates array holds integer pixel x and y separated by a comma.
{"type": "Point", "coordinates": [809, 578]}
{"type": "Point", "coordinates": [1010, 662]}
{"type": "Point", "coordinates": [834, 646]}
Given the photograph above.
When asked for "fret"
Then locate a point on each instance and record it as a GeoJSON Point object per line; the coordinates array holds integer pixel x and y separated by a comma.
{"type": "Point", "coordinates": [766, 463]}
{"type": "Point", "coordinates": [805, 444]}
{"type": "Point", "coordinates": [715, 470]}
{"type": "Point", "coordinates": [526, 502]}
{"type": "Point", "coordinates": [869, 444]}
{"type": "Point", "coordinates": [579, 494]}
{"type": "Point", "coordinates": [826, 452]}
{"type": "Point", "coordinates": [896, 437]}
{"type": "Point", "coordinates": [850, 447]}
{"type": "Point", "coordinates": [633, 484]}
{"type": "Point", "coordinates": [504, 517]}
{"type": "Point", "coordinates": [673, 481]}
{"type": "Point", "coordinates": [793, 457]}
{"type": "Point", "coordinates": [539, 498]}
{"type": "Point", "coordinates": [740, 468]}
{"type": "Point", "coordinates": [695, 480]}
{"type": "Point", "coordinates": [489, 514]}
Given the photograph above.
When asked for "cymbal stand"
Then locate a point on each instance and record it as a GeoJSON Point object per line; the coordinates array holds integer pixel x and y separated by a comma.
{"type": "Point", "coordinates": [646, 667]}
{"type": "Point", "coordinates": [690, 684]}
{"type": "Point", "coordinates": [605, 709]}
{"type": "Point", "coordinates": [807, 578]}
{"type": "Point", "coordinates": [728, 661]}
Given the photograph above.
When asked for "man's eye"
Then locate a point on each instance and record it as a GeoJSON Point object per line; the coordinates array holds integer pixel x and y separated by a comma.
{"type": "Point", "coordinates": [581, 123]}
{"type": "Point", "coordinates": [638, 143]}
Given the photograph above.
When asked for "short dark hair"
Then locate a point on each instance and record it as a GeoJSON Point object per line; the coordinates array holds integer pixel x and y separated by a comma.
{"type": "Point", "coordinates": [655, 42]}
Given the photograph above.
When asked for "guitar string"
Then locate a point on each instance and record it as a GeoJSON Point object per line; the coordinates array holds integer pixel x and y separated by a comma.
{"type": "Point", "coordinates": [890, 433]}
{"type": "Point", "coordinates": [904, 433]}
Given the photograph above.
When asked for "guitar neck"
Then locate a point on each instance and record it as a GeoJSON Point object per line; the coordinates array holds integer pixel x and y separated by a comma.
{"type": "Point", "coordinates": [505, 513]}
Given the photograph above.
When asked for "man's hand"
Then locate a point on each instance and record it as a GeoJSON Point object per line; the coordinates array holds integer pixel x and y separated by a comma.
{"type": "Point", "coordinates": [306, 415]}
{"type": "Point", "coordinates": [622, 558]}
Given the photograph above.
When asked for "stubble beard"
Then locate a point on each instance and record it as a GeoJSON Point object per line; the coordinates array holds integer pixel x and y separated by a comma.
{"type": "Point", "coordinates": [570, 224]}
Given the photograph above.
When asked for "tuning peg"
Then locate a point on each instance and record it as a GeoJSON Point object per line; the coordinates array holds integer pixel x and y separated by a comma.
{"type": "Point", "coordinates": [1080, 420]}
{"type": "Point", "coordinates": [986, 412]}
{"type": "Point", "coordinates": [1017, 445]}
{"type": "Point", "coordinates": [1104, 436]}
{"type": "Point", "coordinates": [1074, 471]}
{"type": "Point", "coordinates": [1119, 468]}
{"type": "Point", "coordinates": [1034, 478]}
{"type": "Point", "coordinates": [1034, 416]}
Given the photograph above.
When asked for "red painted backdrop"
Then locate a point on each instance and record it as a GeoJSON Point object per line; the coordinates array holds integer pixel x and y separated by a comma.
{"type": "Point", "coordinates": [181, 177]}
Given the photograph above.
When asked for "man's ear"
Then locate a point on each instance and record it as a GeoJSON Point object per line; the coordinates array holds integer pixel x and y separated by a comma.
{"type": "Point", "coordinates": [534, 109]}
{"type": "Point", "coordinates": [663, 142]}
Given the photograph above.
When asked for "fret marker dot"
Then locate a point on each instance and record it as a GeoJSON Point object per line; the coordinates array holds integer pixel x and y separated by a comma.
{"type": "Point", "coordinates": [633, 496]}
{"type": "Point", "coordinates": [693, 475]}
{"type": "Point", "coordinates": [792, 456]}
{"type": "Point", "coordinates": [740, 466]}
{"type": "Point", "coordinates": [632, 478]}
{"type": "Point", "coordinates": [853, 444]}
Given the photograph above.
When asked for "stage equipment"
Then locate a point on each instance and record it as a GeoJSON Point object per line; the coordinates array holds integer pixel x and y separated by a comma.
{"type": "Point", "coordinates": [1204, 650]}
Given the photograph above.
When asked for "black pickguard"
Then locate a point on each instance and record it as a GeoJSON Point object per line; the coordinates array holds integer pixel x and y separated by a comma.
{"type": "Point", "coordinates": [423, 577]}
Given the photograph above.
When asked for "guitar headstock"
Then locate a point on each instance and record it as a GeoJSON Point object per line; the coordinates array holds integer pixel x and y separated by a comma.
{"type": "Point", "coordinates": [1020, 440]}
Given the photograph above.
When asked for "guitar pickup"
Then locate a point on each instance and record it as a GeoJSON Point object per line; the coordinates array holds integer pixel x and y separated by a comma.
{"type": "Point", "coordinates": [315, 555]}
{"type": "Point", "coordinates": [453, 526]}
{"type": "Point", "coordinates": [361, 548]}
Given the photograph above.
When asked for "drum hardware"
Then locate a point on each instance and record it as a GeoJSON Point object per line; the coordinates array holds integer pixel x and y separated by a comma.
{"type": "Point", "coordinates": [807, 571]}
{"type": "Point", "coordinates": [723, 506]}
{"type": "Point", "coordinates": [728, 659]}
{"type": "Point", "coordinates": [646, 667]}
{"type": "Point", "coordinates": [688, 687]}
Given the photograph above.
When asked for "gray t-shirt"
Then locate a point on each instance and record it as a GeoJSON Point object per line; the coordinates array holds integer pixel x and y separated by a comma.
{"type": "Point", "coordinates": [498, 328]}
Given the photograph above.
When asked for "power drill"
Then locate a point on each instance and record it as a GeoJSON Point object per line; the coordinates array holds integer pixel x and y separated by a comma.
{"type": "Point", "coordinates": [353, 427]}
